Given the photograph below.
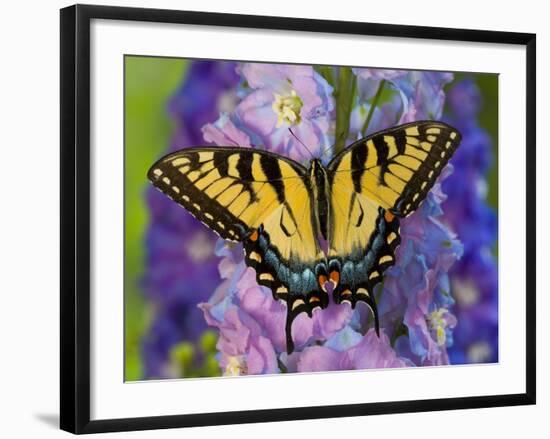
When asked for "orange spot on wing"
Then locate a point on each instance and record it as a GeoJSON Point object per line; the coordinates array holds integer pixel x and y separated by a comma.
{"type": "Point", "coordinates": [335, 277]}
{"type": "Point", "coordinates": [389, 216]}
{"type": "Point", "coordinates": [322, 280]}
{"type": "Point", "coordinates": [254, 236]}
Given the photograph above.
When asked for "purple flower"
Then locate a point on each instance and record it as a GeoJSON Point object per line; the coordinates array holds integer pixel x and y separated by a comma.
{"type": "Point", "coordinates": [282, 97]}
{"type": "Point", "coordinates": [422, 94]}
{"type": "Point", "coordinates": [209, 89]}
{"type": "Point", "coordinates": [417, 287]}
{"type": "Point", "coordinates": [384, 116]}
{"type": "Point", "coordinates": [378, 74]}
{"type": "Point", "coordinates": [224, 133]}
{"type": "Point", "coordinates": [181, 268]}
{"type": "Point", "coordinates": [244, 351]}
{"type": "Point", "coordinates": [418, 95]}
{"type": "Point", "coordinates": [474, 279]}
{"type": "Point", "coordinates": [245, 314]}
{"type": "Point", "coordinates": [371, 352]}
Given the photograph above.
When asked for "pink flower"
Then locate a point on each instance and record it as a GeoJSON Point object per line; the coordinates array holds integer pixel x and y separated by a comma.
{"type": "Point", "coordinates": [372, 352]}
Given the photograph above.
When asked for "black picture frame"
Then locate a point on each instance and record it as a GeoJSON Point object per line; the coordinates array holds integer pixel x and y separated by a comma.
{"type": "Point", "coordinates": [75, 217]}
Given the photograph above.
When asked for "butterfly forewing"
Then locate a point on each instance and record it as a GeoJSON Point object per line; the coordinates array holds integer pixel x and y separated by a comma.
{"type": "Point", "coordinates": [262, 200]}
{"type": "Point", "coordinates": [396, 168]}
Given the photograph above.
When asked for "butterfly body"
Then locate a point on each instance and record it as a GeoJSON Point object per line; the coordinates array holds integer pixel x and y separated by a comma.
{"type": "Point", "coordinates": [280, 209]}
{"type": "Point", "coordinates": [319, 185]}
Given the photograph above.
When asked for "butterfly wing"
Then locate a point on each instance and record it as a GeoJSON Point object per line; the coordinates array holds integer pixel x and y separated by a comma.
{"type": "Point", "coordinates": [373, 183]}
{"type": "Point", "coordinates": [262, 200]}
{"type": "Point", "coordinates": [362, 241]}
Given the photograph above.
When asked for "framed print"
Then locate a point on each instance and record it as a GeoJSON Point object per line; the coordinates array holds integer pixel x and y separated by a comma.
{"type": "Point", "coordinates": [281, 228]}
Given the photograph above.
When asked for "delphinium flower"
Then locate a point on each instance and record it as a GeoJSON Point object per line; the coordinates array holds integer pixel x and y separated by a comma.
{"type": "Point", "coordinates": [281, 108]}
{"type": "Point", "coordinates": [415, 299]}
{"type": "Point", "coordinates": [365, 352]}
{"type": "Point", "coordinates": [418, 95]}
{"type": "Point", "coordinates": [474, 278]}
{"type": "Point", "coordinates": [417, 287]}
{"type": "Point", "coordinates": [252, 324]}
{"type": "Point", "coordinates": [181, 268]}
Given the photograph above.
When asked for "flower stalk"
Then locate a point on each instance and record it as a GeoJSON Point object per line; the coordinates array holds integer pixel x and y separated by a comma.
{"type": "Point", "coordinates": [344, 93]}
{"type": "Point", "coordinates": [374, 104]}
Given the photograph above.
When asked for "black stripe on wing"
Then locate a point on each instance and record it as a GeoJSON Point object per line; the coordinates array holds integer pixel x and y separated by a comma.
{"type": "Point", "coordinates": [177, 185]}
{"type": "Point", "coordinates": [397, 167]}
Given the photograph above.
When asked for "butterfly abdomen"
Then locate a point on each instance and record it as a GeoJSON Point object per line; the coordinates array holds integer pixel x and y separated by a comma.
{"type": "Point", "coordinates": [319, 183]}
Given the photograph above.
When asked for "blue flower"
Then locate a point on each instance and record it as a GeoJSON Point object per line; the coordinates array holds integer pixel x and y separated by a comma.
{"type": "Point", "coordinates": [416, 290]}
{"type": "Point", "coordinates": [208, 90]}
{"type": "Point", "coordinates": [418, 95]}
{"type": "Point", "coordinates": [474, 279]}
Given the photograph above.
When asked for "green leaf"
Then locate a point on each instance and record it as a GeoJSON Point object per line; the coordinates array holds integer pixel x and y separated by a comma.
{"type": "Point", "coordinates": [208, 341]}
{"type": "Point", "coordinates": [374, 104]}
{"type": "Point", "coordinates": [327, 73]}
{"type": "Point", "coordinates": [400, 330]}
{"type": "Point", "coordinates": [282, 366]}
{"type": "Point", "coordinates": [149, 83]}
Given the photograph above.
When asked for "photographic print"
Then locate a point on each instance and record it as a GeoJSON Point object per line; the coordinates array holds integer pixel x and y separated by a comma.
{"type": "Point", "coordinates": [285, 218]}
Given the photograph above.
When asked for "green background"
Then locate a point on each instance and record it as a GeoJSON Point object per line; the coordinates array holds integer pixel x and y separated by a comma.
{"type": "Point", "coordinates": [149, 82]}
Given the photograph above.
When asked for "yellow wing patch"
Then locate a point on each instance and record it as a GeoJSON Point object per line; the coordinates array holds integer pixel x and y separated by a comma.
{"type": "Point", "coordinates": [231, 190]}
{"type": "Point", "coordinates": [397, 167]}
{"type": "Point", "coordinates": [354, 219]}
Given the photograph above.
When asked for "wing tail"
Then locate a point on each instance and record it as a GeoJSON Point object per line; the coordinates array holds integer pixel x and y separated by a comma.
{"type": "Point", "coordinates": [359, 273]}
{"type": "Point", "coordinates": [298, 285]}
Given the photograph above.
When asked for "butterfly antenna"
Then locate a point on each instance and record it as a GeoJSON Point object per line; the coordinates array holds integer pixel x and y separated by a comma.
{"type": "Point", "coordinates": [302, 143]}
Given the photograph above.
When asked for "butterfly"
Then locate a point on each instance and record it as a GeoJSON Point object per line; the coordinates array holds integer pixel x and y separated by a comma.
{"type": "Point", "coordinates": [280, 210]}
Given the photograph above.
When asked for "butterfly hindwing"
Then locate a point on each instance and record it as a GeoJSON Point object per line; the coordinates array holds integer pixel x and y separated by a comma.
{"type": "Point", "coordinates": [373, 183]}
{"type": "Point", "coordinates": [362, 244]}
{"type": "Point", "coordinates": [285, 253]}
{"type": "Point", "coordinates": [262, 200]}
